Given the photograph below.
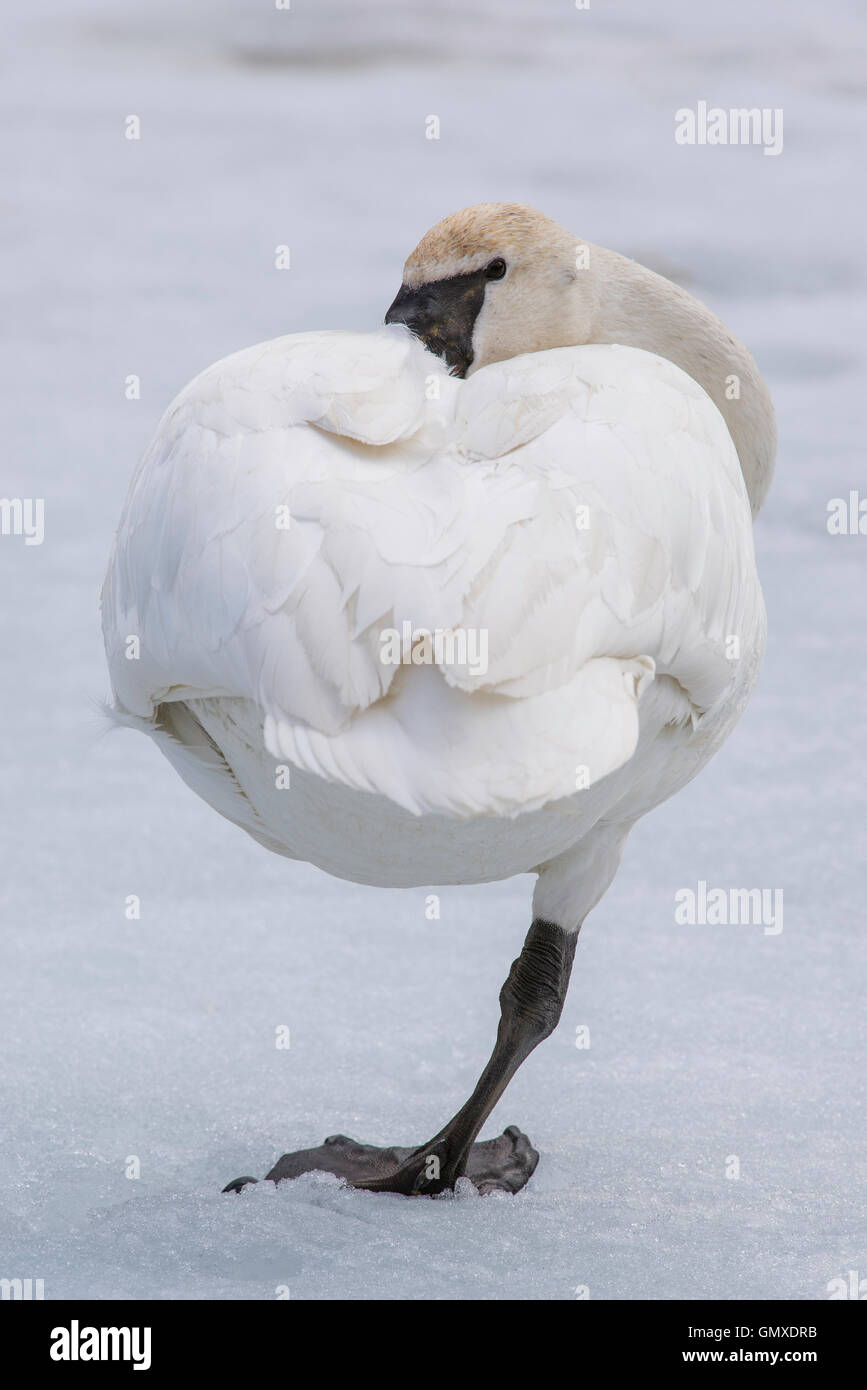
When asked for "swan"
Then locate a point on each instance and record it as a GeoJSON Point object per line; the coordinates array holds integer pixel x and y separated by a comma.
{"type": "Point", "coordinates": [456, 599]}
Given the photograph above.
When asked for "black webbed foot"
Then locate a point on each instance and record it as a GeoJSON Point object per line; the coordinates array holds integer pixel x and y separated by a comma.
{"type": "Point", "coordinates": [503, 1164]}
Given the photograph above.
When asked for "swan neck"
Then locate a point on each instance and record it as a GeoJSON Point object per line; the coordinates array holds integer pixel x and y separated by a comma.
{"type": "Point", "coordinates": [637, 308]}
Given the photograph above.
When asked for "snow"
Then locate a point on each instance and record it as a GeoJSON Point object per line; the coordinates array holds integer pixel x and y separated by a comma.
{"type": "Point", "coordinates": [155, 1038]}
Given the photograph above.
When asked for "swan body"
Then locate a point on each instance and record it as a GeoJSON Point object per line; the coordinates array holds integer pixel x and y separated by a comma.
{"type": "Point", "coordinates": [320, 518]}
{"type": "Point", "coordinates": [583, 507]}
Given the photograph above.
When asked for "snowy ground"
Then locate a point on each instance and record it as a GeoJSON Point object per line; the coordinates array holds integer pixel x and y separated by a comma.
{"type": "Point", "coordinates": [155, 1038]}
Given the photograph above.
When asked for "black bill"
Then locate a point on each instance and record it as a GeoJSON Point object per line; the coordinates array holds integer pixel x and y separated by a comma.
{"type": "Point", "coordinates": [443, 315]}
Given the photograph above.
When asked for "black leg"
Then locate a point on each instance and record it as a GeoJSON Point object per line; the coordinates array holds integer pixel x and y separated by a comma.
{"type": "Point", "coordinates": [531, 1002]}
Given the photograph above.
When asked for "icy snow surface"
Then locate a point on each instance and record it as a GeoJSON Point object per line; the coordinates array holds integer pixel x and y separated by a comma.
{"type": "Point", "coordinates": [155, 1038]}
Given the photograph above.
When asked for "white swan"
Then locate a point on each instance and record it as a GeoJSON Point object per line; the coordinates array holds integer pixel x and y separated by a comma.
{"type": "Point", "coordinates": [561, 498]}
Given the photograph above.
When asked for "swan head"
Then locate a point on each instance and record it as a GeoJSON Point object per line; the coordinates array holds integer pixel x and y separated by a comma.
{"type": "Point", "coordinates": [491, 282]}
{"type": "Point", "coordinates": [500, 279]}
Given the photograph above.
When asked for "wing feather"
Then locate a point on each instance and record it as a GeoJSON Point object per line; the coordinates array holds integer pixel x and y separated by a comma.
{"type": "Point", "coordinates": [582, 511]}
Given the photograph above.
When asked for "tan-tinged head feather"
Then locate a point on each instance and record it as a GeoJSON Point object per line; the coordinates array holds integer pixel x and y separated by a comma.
{"type": "Point", "coordinates": [466, 240]}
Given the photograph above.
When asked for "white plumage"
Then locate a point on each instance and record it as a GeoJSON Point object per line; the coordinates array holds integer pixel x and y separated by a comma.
{"type": "Point", "coordinates": [421, 627]}
{"type": "Point", "coordinates": [584, 507]}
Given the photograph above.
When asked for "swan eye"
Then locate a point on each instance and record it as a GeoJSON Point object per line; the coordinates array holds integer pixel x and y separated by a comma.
{"type": "Point", "coordinates": [496, 270]}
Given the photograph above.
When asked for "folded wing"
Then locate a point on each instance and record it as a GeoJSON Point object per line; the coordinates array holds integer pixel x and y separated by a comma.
{"type": "Point", "coordinates": [572, 523]}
